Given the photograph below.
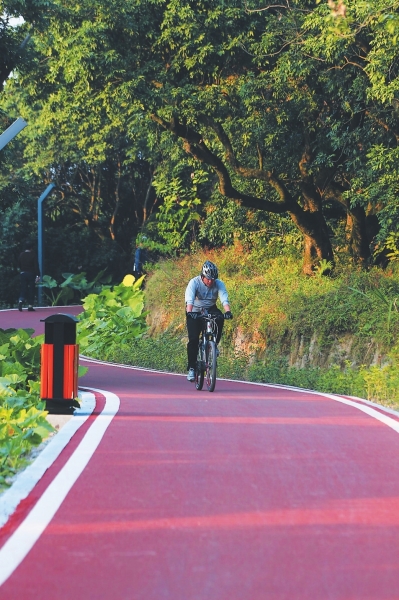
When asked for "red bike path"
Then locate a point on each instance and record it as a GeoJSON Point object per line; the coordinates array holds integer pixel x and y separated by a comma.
{"type": "Point", "coordinates": [252, 492]}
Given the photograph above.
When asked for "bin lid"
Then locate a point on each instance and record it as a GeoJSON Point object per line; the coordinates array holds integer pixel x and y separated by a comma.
{"type": "Point", "coordinates": [60, 318]}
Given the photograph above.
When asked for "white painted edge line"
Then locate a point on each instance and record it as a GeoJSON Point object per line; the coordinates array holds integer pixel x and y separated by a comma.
{"type": "Point", "coordinates": [27, 479]}
{"type": "Point", "coordinates": [352, 402]}
{"type": "Point", "coordinates": [26, 535]}
{"type": "Point", "coordinates": [368, 410]}
{"type": "Point", "coordinates": [41, 308]}
{"type": "Point", "coordinates": [132, 367]}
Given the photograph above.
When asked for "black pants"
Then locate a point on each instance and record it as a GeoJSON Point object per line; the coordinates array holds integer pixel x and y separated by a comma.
{"type": "Point", "coordinates": [194, 329]}
{"type": "Point", "coordinates": [27, 292]}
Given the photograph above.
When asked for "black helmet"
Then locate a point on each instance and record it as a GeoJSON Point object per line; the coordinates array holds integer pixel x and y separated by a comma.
{"type": "Point", "coordinates": [209, 270]}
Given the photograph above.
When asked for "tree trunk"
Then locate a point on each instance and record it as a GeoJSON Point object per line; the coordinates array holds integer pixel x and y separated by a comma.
{"type": "Point", "coordinates": [117, 202]}
{"type": "Point", "coordinates": [311, 222]}
{"type": "Point", "coordinates": [308, 218]}
{"type": "Point", "coordinates": [356, 236]}
{"type": "Point", "coordinates": [316, 241]}
{"type": "Point", "coordinates": [146, 212]}
{"type": "Point", "coordinates": [357, 230]}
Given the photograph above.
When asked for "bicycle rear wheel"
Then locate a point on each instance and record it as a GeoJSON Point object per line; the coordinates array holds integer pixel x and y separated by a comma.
{"type": "Point", "coordinates": [210, 365]}
{"type": "Point", "coordinates": [199, 371]}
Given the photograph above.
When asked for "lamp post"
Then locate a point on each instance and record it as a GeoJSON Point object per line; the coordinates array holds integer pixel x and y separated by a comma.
{"type": "Point", "coordinates": [12, 131]}
{"type": "Point", "coordinates": [40, 253]}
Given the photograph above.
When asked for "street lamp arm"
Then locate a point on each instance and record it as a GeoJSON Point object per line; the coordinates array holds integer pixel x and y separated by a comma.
{"type": "Point", "coordinates": [11, 132]}
{"type": "Point", "coordinates": [40, 230]}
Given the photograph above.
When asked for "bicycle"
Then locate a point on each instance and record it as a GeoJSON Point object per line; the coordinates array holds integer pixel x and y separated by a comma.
{"type": "Point", "coordinates": [207, 353]}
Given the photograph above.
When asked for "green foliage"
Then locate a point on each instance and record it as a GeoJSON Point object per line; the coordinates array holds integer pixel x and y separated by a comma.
{"type": "Point", "coordinates": [324, 266]}
{"type": "Point", "coordinates": [277, 315]}
{"type": "Point", "coordinates": [123, 98]}
{"type": "Point", "coordinates": [333, 380]}
{"type": "Point", "coordinates": [226, 222]}
{"type": "Point", "coordinates": [385, 300]}
{"type": "Point", "coordinates": [165, 353]}
{"type": "Point", "coordinates": [179, 214]}
{"type": "Point", "coordinates": [391, 245]}
{"type": "Point", "coordinates": [19, 353]}
{"type": "Point", "coordinates": [382, 383]}
{"type": "Point", "coordinates": [289, 108]}
{"type": "Point", "coordinates": [273, 303]}
{"type": "Point", "coordinates": [113, 316]}
{"type": "Point", "coordinates": [23, 421]}
{"type": "Point", "coordinates": [73, 289]}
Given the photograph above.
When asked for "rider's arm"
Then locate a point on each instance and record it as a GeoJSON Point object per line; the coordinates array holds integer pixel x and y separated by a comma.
{"type": "Point", "coordinates": [190, 295]}
{"type": "Point", "coordinates": [223, 296]}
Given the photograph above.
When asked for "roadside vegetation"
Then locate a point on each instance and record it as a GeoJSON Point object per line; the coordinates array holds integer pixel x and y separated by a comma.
{"type": "Point", "coordinates": [335, 334]}
{"type": "Point", "coordinates": [114, 313]}
{"type": "Point", "coordinates": [23, 423]}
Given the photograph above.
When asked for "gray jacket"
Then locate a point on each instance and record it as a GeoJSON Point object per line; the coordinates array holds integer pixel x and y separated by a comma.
{"type": "Point", "coordinates": [200, 296]}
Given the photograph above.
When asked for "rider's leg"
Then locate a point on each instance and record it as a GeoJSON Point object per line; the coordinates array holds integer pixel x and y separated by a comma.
{"type": "Point", "coordinates": [194, 327]}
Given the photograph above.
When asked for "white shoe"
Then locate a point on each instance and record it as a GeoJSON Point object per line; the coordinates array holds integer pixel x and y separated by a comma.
{"type": "Point", "coordinates": [191, 375]}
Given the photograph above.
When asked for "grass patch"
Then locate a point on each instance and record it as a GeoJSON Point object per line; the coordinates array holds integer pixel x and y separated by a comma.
{"type": "Point", "coordinates": [276, 309]}
{"type": "Point", "coordinates": [168, 353]}
{"type": "Point", "coordinates": [165, 353]}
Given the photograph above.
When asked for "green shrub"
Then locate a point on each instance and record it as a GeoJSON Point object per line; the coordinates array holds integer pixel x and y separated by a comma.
{"type": "Point", "coordinates": [165, 353]}
{"type": "Point", "coordinates": [113, 316]}
{"type": "Point", "coordinates": [274, 306]}
{"type": "Point", "coordinates": [73, 288]}
{"type": "Point", "coordinates": [23, 421]}
{"type": "Point", "coordinates": [332, 380]}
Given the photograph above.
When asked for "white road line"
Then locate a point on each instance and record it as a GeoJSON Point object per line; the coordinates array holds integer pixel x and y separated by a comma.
{"type": "Point", "coordinates": [369, 410]}
{"type": "Point", "coordinates": [23, 539]}
{"type": "Point", "coordinates": [392, 423]}
{"type": "Point", "coordinates": [277, 386]}
{"type": "Point", "coordinates": [26, 481]}
{"type": "Point", "coordinates": [26, 535]}
{"type": "Point", "coordinates": [51, 308]}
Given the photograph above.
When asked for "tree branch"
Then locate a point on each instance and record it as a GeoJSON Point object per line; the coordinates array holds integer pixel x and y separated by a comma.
{"type": "Point", "coordinates": [383, 124]}
{"type": "Point", "coordinates": [286, 199]}
{"type": "Point", "coordinates": [194, 144]}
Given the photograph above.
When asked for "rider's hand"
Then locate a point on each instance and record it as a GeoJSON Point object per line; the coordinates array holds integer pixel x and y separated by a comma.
{"type": "Point", "coordinates": [228, 315]}
{"type": "Point", "coordinates": [193, 315]}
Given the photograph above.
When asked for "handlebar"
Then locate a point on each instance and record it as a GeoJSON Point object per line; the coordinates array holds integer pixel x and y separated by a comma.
{"type": "Point", "coordinates": [207, 315]}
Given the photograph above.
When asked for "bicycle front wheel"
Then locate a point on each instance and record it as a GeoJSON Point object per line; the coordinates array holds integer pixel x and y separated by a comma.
{"type": "Point", "coordinates": [210, 365]}
{"type": "Point", "coordinates": [199, 371]}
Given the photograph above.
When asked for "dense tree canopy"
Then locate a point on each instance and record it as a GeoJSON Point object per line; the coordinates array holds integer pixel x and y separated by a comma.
{"type": "Point", "coordinates": [18, 20]}
{"type": "Point", "coordinates": [284, 108]}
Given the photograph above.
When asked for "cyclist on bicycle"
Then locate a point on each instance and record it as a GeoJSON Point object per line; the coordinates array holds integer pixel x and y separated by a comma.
{"type": "Point", "coordinates": [202, 292]}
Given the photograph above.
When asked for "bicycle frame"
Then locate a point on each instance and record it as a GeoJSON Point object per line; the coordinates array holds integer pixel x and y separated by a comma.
{"type": "Point", "coordinates": [206, 360]}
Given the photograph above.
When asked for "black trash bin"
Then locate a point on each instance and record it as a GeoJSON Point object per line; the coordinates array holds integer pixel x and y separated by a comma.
{"type": "Point", "coordinates": [59, 364]}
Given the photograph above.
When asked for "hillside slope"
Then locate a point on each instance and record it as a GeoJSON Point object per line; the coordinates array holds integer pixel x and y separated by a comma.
{"type": "Point", "coordinates": [335, 334]}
